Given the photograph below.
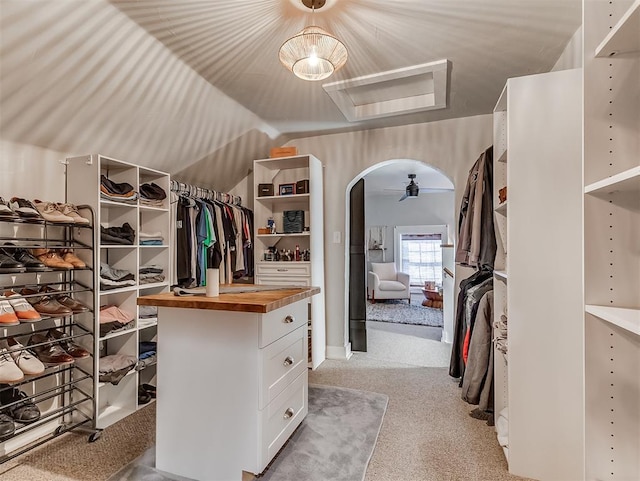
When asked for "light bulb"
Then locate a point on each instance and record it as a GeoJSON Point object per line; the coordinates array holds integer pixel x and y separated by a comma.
{"type": "Point", "coordinates": [313, 58]}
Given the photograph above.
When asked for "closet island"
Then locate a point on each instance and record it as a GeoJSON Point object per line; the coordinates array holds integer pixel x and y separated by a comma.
{"type": "Point", "coordinates": [232, 378]}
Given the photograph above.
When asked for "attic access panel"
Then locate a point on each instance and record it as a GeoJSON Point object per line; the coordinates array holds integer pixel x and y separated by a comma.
{"type": "Point", "coordinates": [395, 92]}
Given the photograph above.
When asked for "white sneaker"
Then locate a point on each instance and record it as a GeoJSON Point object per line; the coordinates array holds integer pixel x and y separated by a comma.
{"type": "Point", "coordinates": [49, 212]}
{"type": "Point", "coordinates": [71, 210]}
{"type": "Point", "coordinates": [9, 371]}
{"type": "Point", "coordinates": [24, 359]}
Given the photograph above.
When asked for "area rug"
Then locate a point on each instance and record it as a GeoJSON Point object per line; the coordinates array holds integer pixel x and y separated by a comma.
{"type": "Point", "coordinates": [334, 442]}
{"type": "Point", "coordinates": [398, 311]}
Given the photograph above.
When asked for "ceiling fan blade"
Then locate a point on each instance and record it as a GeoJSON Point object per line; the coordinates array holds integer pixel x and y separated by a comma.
{"type": "Point", "coordinates": [403, 197]}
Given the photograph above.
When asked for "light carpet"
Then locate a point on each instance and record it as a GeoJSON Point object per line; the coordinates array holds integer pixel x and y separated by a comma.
{"type": "Point", "coordinates": [399, 311]}
{"type": "Point", "coordinates": [334, 442]}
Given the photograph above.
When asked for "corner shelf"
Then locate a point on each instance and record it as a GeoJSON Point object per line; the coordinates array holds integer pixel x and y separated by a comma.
{"type": "Point", "coordinates": [627, 181]}
{"type": "Point", "coordinates": [503, 156]}
{"type": "Point", "coordinates": [627, 319]}
{"type": "Point", "coordinates": [500, 275]}
{"type": "Point", "coordinates": [502, 208]}
{"type": "Point", "coordinates": [623, 37]}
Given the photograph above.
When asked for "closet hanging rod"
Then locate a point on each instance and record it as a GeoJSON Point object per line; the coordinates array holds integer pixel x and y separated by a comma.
{"type": "Point", "coordinates": [194, 191]}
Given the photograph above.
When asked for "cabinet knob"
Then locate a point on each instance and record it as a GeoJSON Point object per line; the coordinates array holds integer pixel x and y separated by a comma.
{"type": "Point", "coordinates": [283, 270]}
{"type": "Point", "coordinates": [289, 319]}
{"type": "Point", "coordinates": [288, 361]}
{"type": "Point", "coordinates": [288, 413]}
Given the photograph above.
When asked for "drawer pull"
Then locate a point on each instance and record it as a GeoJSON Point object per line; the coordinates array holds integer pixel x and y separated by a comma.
{"type": "Point", "coordinates": [288, 413]}
{"type": "Point", "coordinates": [289, 319]}
{"type": "Point", "coordinates": [283, 270]}
{"type": "Point", "coordinates": [288, 361]}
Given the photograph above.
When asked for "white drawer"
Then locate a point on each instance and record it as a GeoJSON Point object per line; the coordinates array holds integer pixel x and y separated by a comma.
{"type": "Point", "coordinates": [280, 322]}
{"type": "Point", "coordinates": [280, 363]}
{"type": "Point", "coordinates": [284, 281]}
{"type": "Point", "coordinates": [283, 269]}
{"type": "Point", "coordinates": [281, 417]}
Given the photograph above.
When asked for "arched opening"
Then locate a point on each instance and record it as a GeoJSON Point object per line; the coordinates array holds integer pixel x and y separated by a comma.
{"type": "Point", "coordinates": [399, 229]}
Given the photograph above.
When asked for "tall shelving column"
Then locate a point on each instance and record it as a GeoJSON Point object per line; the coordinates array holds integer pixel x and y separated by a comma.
{"type": "Point", "coordinates": [612, 238]}
{"type": "Point", "coordinates": [542, 275]}
{"type": "Point", "coordinates": [289, 170]}
{"type": "Point", "coordinates": [114, 402]}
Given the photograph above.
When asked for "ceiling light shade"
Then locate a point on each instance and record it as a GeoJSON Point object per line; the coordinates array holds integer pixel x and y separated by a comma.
{"type": "Point", "coordinates": [313, 54]}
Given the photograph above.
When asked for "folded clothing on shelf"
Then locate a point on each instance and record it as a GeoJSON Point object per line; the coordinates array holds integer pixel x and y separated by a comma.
{"type": "Point", "coordinates": [112, 278]}
{"type": "Point", "coordinates": [147, 312]}
{"type": "Point", "coordinates": [117, 192]}
{"type": "Point", "coordinates": [151, 269]}
{"type": "Point", "coordinates": [152, 194]}
{"type": "Point", "coordinates": [124, 235]}
{"type": "Point", "coordinates": [114, 319]}
{"type": "Point", "coordinates": [151, 239]}
{"type": "Point", "coordinates": [113, 367]}
{"type": "Point", "coordinates": [151, 278]}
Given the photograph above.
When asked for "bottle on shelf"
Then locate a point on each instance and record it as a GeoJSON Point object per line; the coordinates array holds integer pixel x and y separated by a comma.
{"type": "Point", "coordinates": [298, 253]}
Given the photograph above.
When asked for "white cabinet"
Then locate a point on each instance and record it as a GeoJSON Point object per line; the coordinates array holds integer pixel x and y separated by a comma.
{"type": "Point", "coordinates": [287, 171]}
{"type": "Point", "coordinates": [612, 238]}
{"type": "Point", "coordinates": [113, 402]}
{"type": "Point", "coordinates": [538, 277]}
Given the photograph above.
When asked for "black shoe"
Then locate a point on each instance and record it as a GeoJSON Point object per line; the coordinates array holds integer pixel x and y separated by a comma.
{"type": "Point", "coordinates": [25, 411]}
{"type": "Point", "coordinates": [9, 264]}
{"type": "Point", "coordinates": [150, 389]}
{"type": "Point", "coordinates": [7, 427]}
{"type": "Point", "coordinates": [24, 257]}
{"type": "Point", "coordinates": [143, 396]}
{"type": "Point", "coordinates": [5, 211]}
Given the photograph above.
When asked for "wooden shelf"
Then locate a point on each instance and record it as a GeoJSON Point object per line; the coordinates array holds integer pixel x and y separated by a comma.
{"type": "Point", "coordinates": [279, 236]}
{"type": "Point", "coordinates": [501, 275]}
{"type": "Point", "coordinates": [627, 181]}
{"type": "Point", "coordinates": [502, 208]}
{"type": "Point", "coordinates": [624, 37]}
{"type": "Point", "coordinates": [627, 319]}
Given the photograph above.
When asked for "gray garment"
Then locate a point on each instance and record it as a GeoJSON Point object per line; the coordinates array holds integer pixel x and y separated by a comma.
{"type": "Point", "coordinates": [478, 375]}
{"type": "Point", "coordinates": [116, 362]}
{"type": "Point", "coordinates": [474, 294]}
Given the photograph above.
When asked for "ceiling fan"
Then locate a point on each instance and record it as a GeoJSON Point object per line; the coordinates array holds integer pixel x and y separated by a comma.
{"type": "Point", "coordinates": [412, 190]}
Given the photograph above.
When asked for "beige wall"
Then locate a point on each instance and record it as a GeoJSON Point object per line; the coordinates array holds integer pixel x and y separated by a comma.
{"type": "Point", "coordinates": [571, 56]}
{"type": "Point", "coordinates": [451, 146]}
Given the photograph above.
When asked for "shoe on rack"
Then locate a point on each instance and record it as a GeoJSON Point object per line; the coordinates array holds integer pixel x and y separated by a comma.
{"type": "Point", "coordinates": [7, 427]}
{"type": "Point", "coordinates": [24, 411]}
{"type": "Point", "coordinates": [50, 354]}
{"type": "Point", "coordinates": [143, 396]}
{"type": "Point", "coordinates": [8, 264]}
{"type": "Point", "coordinates": [71, 210]}
{"type": "Point", "coordinates": [5, 211]}
{"type": "Point", "coordinates": [64, 299]}
{"type": "Point", "coordinates": [68, 256]}
{"type": "Point", "coordinates": [9, 371]}
{"type": "Point", "coordinates": [24, 257]}
{"type": "Point", "coordinates": [73, 349]}
{"type": "Point", "coordinates": [8, 316]}
{"type": "Point", "coordinates": [49, 212]}
{"type": "Point", "coordinates": [150, 389]}
{"type": "Point", "coordinates": [24, 311]}
{"type": "Point", "coordinates": [45, 304]}
{"type": "Point", "coordinates": [24, 208]}
{"type": "Point", "coordinates": [51, 258]}
{"type": "Point", "coordinates": [24, 358]}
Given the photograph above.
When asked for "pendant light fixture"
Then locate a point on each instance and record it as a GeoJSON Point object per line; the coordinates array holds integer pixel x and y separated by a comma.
{"type": "Point", "coordinates": [313, 54]}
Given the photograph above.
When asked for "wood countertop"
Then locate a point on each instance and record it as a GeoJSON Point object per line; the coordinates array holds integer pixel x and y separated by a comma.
{"type": "Point", "coordinates": [261, 301]}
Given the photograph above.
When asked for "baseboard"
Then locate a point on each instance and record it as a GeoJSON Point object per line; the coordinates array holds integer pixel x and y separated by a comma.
{"type": "Point", "coordinates": [341, 353]}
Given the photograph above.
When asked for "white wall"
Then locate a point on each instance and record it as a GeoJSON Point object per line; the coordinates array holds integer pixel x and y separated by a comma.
{"type": "Point", "coordinates": [427, 209]}
{"type": "Point", "coordinates": [452, 146]}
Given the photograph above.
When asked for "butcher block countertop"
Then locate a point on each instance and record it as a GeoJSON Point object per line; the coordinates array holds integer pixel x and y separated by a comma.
{"type": "Point", "coordinates": [261, 301]}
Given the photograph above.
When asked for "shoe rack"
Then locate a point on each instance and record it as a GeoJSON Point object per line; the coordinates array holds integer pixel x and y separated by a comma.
{"type": "Point", "coordinates": [538, 275]}
{"type": "Point", "coordinates": [114, 402]}
{"type": "Point", "coordinates": [612, 238]}
{"type": "Point", "coordinates": [62, 392]}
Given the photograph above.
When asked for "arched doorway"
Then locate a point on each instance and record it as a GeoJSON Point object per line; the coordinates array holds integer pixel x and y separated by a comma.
{"type": "Point", "coordinates": [377, 208]}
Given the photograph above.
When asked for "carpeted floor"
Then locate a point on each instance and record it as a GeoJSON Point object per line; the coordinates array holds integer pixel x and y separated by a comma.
{"type": "Point", "coordinates": [427, 433]}
{"type": "Point", "coordinates": [399, 311]}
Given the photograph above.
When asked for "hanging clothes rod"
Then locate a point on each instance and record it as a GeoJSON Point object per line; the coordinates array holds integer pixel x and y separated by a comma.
{"type": "Point", "coordinates": [194, 191]}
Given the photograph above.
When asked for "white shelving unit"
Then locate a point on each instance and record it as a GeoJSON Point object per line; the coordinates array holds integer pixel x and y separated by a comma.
{"type": "Point", "coordinates": [289, 170]}
{"type": "Point", "coordinates": [611, 238]}
{"type": "Point", "coordinates": [114, 402]}
{"type": "Point", "coordinates": [538, 122]}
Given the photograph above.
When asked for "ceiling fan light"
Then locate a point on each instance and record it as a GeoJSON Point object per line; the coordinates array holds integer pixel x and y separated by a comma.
{"type": "Point", "coordinates": [313, 54]}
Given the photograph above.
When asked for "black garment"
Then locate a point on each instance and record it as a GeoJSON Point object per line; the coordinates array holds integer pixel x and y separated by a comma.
{"type": "Point", "coordinates": [115, 188]}
{"type": "Point", "coordinates": [456, 365]}
{"type": "Point", "coordinates": [152, 191]}
{"type": "Point", "coordinates": [183, 243]}
{"type": "Point", "coordinates": [214, 254]}
{"type": "Point", "coordinates": [124, 235]}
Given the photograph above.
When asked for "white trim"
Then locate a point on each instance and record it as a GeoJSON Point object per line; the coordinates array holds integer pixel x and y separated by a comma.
{"type": "Point", "coordinates": [416, 229]}
{"type": "Point", "coordinates": [340, 353]}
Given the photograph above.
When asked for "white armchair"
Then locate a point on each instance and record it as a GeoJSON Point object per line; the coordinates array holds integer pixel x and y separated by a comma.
{"type": "Point", "coordinates": [384, 282]}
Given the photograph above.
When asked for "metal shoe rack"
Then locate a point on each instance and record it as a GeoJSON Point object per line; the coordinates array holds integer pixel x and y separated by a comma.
{"type": "Point", "coordinates": [64, 393]}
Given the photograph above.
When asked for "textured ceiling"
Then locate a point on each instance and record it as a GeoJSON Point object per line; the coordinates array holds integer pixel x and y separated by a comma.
{"type": "Point", "coordinates": [234, 45]}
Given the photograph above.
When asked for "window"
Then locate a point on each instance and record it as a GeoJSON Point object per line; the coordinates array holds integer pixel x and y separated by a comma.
{"type": "Point", "coordinates": [421, 257]}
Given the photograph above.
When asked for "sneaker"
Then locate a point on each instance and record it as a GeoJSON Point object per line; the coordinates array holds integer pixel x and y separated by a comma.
{"type": "Point", "coordinates": [24, 359]}
{"type": "Point", "coordinates": [7, 314]}
{"type": "Point", "coordinates": [50, 354]}
{"type": "Point", "coordinates": [49, 212]}
{"type": "Point", "coordinates": [7, 427]}
{"type": "Point", "coordinates": [71, 210]}
{"type": "Point", "coordinates": [68, 256]}
{"type": "Point", "coordinates": [24, 311]}
{"type": "Point", "coordinates": [9, 371]}
{"type": "Point", "coordinates": [68, 345]}
{"type": "Point", "coordinates": [6, 212]}
{"type": "Point", "coordinates": [24, 410]}
{"type": "Point", "coordinates": [23, 207]}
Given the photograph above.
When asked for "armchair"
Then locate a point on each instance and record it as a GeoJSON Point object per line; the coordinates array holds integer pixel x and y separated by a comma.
{"type": "Point", "coordinates": [384, 282]}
